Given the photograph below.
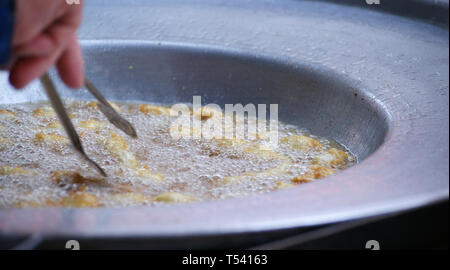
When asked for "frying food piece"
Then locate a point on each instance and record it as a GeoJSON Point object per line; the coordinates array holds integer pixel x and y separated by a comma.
{"type": "Point", "coordinates": [15, 171]}
{"type": "Point", "coordinates": [54, 125]}
{"type": "Point", "coordinates": [36, 203]}
{"type": "Point", "coordinates": [92, 124]}
{"type": "Point", "coordinates": [6, 114]}
{"type": "Point", "coordinates": [119, 148]}
{"type": "Point", "coordinates": [254, 149]}
{"type": "Point", "coordinates": [75, 178]}
{"type": "Point", "coordinates": [173, 197]}
{"type": "Point", "coordinates": [44, 112]}
{"type": "Point", "coordinates": [210, 118]}
{"type": "Point", "coordinates": [73, 200]}
{"type": "Point", "coordinates": [302, 143]}
{"type": "Point", "coordinates": [3, 139]}
{"type": "Point", "coordinates": [281, 169]}
{"type": "Point", "coordinates": [146, 173]}
{"type": "Point", "coordinates": [153, 109]}
{"type": "Point", "coordinates": [315, 172]}
{"type": "Point", "coordinates": [50, 138]}
{"type": "Point", "coordinates": [230, 142]}
{"type": "Point", "coordinates": [94, 105]}
{"type": "Point", "coordinates": [283, 185]}
{"type": "Point", "coordinates": [333, 157]}
{"type": "Point", "coordinates": [206, 113]}
{"type": "Point", "coordinates": [80, 200]}
{"type": "Point", "coordinates": [54, 141]}
{"type": "Point", "coordinates": [4, 142]}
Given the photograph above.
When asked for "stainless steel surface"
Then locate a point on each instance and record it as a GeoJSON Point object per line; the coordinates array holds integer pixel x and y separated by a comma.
{"type": "Point", "coordinates": [376, 82]}
{"type": "Point", "coordinates": [58, 106]}
{"type": "Point", "coordinates": [110, 113]}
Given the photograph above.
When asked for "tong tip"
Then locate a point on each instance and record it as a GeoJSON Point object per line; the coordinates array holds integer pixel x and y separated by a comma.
{"type": "Point", "coordinates": [132, 132]}
{"type": "Point", "coordinates": [99, 169]}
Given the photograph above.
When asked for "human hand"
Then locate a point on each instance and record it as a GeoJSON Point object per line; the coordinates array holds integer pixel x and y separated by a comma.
{"type": "Point", "coordinates": [44, 35]}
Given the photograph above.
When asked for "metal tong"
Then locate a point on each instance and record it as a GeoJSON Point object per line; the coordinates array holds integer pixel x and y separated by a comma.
{"type": "Point", "coordinates": [104, 107]}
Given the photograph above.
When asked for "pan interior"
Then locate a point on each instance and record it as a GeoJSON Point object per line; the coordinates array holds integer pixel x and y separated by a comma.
{"type": "Point", "coordinates": [317, 99]}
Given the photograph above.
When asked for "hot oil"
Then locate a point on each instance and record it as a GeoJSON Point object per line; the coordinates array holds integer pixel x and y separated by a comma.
{"type": "Point", "coordinates": [46, 170]}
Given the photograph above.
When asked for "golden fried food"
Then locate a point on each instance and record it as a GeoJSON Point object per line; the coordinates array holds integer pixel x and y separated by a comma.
{"type": "Point", "coordinates": [54, 125]}
{"type": "Point", "coordinates": [333, 157]}
{"type": "Point", "coordinates": [118, 147]}
{"type": "Point", "coordinates": [146, 173]}
{"type": "Point", "coordinates": [44, 112]}
{"type": "Point", "coordinates": [80, 199]}
{"type": "Point", "coordinates": [15, 171]}
{"type": "Point", "coordinates": [314, 172]}
{"type": "Point", "coordinates": [50, 137]}
{"type": "Point", "coordinates": [206, 113]}
{"type": "Point", "coordinates": [173, 197]}
{"type": "Point", "coordinates": [301, 142]}
{"type": "Point", "coordinates": [283, 185]}
{"type": "Point", "coordinates": [4, 114]}
{"type": "Point", "coordinates": [94, 105]}
{"type": "Point", "coordinates": [92, 124]}
{"type": "Point", "coordinates": [152, 109]}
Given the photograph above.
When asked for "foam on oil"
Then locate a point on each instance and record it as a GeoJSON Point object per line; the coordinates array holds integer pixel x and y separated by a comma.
{"type": "Point", "coordinates": [40, 170]}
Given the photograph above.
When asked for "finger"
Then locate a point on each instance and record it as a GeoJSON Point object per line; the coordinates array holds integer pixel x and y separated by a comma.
{"type": "Point", "coordinates": [40, 46]}
{"type": "Point", "coordinates": [27, 69]}
{"type": "Point", "coordinates": [70, 65]}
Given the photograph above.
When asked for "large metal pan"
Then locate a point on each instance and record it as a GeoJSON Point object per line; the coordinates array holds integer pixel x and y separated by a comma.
{"type": "Point", "coordinates": [374, 81]}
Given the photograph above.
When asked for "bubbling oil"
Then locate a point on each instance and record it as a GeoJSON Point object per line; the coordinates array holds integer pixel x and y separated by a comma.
{"type": "Point", "coordinates": [39, 168]}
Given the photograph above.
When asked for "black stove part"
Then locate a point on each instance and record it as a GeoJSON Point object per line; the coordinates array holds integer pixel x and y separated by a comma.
{"type": "Point", "coordinates": [425, 228]}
